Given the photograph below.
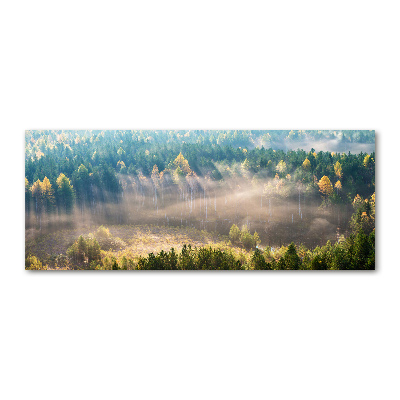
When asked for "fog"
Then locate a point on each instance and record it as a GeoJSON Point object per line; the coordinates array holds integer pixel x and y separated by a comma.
{"type": "Point", "coordinates": [213, 206]}
{"type": "Point", "coordinates": [333, 145]}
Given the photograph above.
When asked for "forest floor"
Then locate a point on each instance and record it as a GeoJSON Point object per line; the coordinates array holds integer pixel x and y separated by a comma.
{"type": "Point", "coordinates": [135, 241]}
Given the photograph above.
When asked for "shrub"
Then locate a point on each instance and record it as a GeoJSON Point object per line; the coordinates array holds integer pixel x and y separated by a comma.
{"type": "Point", "coordinates": [102, 233]}
{"type": "Point", "coordinates": [84, 251]}
{"type": "Point", "coordinates": [33, 263]}
{"type": "Point", "coordinates": [256, 239]}
{"type": "Point", "coordinates": [246, 238]}
{"type": "Point", "coordinates": [107, 241]}
{"type": "Point", "coordinates": [234, 234]}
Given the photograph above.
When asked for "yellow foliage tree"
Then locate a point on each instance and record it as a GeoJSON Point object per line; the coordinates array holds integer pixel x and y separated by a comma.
{"type": "Point", "coordinates": [358, 201]}
{"type": "Point", "coordinates": [46, 187]}
{"type": "Point", "coordinates": [121, 166]}
{"type": "Point", "coordinates": [338, 186]}
{"type": "Point", "coordinates": [325, 186]}
{"type": "Point", "coordinates": [181, 163]}
{"type": "Point", "coordinates": [37, 194]}
{"type": "Point", "coordinates": [281, 167]}
{"type": "Point", "coordinates": [155, 175]}
{"type": "Point", "coordinates": [47, 193]}
{"type": "Point", "coordinates": [307, 164]}
{"type": "Point", "coordinates": [372, 203]}
{"type": "Point", "coordinates": [338, 170]}
{"type": "Point", "coordinates": [245, 165]}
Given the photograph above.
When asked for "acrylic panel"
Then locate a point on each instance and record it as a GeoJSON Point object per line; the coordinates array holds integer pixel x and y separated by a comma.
{"type": "Point", "coordinates": [200, 200]}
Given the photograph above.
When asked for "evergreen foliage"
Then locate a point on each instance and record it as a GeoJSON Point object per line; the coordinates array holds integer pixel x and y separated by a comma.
{"type": "Point", "coordinates": [357, 252]}
{"type": "Point", "coordinates": [84, 251]}
{"type": "Point", "coordinates": [93, 170]}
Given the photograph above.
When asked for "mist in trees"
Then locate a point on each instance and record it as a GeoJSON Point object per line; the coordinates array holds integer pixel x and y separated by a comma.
{"type": "Point", "coordinates": [259, 188]}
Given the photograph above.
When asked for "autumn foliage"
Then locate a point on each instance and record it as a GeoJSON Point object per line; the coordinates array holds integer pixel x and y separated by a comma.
{"type": "Point", "coordinates": [325, 186]}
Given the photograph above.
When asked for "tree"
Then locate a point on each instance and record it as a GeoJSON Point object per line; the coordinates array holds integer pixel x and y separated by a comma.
{"type": "Point", "coordinates": [319, 262]}
{"type": "Point", "coordinates": [358, 202]}
{"type": "Point", "coordinates": [306, 165]}
{"type": "Point", "coordinates": [181, 163]}
{"type": "Point", "coordinates": [234, 233]}
{"type": "Point", "coordinates": [81, 180]}
{"type": "Point", "coordinates": [325, 186]}
{"type": "Point", "coordinates": [372, 205]}
{"type": "Point", "coordinates": [367, 161]}
{"type": "Point", "coordinates": [246, 238]}
{"type": "Point", "coordinates": [65, 194]}
{"type": "Point", "coordinates": [363, 218]}
{"type": "Point", "coordinates": [155, 177]}
{"type": "Point", "coordinates": [121, 167]}
{"type": "Point", "coordinates": [37, 195]}
{"type": "Point", "coordinates": [256, 239]}
{"type": "Point", "coordinates": [258, 261]}
{"type": "Point", "coordinates": [364, 251]}
{"type": "Point", "coordinates": [291, 260]}
{"type": "Point", "coordinates": [120, 151]}
{"type": "Point", "coordinates": [110, 182]}
{"type": "Point", "coordinates": [338, 170]}
{"type": "Point", "coordinates": [338, 187]}
{"type": "Point", "coordinates": [84, 251]}
{"type": "Point", "coordinates": [48, 195]}
{"type": "Point", "coordinates": [281, 168]}
{"type": "Point", "coordinates": [33, 263]}
{"type": "Point", "coordinates": [245, 166]}
{"type": "Point", "coordinates": [27, 196]}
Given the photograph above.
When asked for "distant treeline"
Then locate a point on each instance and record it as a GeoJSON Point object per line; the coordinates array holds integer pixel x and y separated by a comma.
{"type": "Point", "coordinates": [49, 153]}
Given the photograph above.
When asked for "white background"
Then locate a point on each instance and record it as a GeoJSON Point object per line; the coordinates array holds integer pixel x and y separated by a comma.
{"type": "Point", "coordinates": [200, 65]}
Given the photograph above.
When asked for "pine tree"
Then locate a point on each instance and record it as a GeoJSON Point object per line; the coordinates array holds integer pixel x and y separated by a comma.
{"type": "Point", "coordinates": [291, 258]}
{"type": "Point", "coordinates": [81, 180]}
{"type": "Point", "coordinates": [65, 194]}
{"type": "Point", "coordinates": [258, 261]}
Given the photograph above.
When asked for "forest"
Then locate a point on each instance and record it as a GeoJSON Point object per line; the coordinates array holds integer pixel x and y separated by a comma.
{"type": "Point", "coordinates": [199, 200]}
